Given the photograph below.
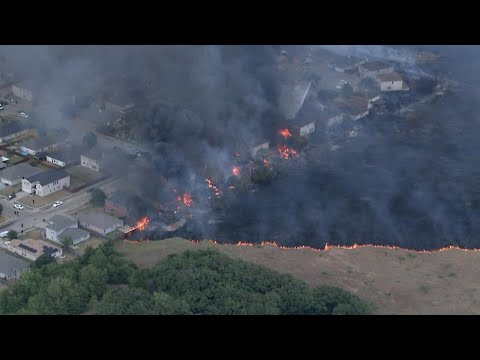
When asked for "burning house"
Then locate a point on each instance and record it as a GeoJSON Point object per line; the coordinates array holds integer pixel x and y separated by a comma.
{"type": "Point", "coordinates": [125, 203]}
{"type": "Point", "coordinates": [292, 97]}
{"type": "Point", "coordinates": [260, 144]}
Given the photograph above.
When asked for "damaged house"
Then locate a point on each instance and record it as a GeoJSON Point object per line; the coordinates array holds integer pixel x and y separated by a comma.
{"type": "Point", "coordinates": [260, 144]}
{"type": "Point", "coordinates": [292, 96]}
{"type": "Point", "coordinates": [125, 204]}
{"type": "Point", "coordinates": [372, 69]}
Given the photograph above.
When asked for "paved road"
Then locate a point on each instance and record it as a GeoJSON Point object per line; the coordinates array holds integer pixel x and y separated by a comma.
{"type": "Point", "coordinates": [30, 218]}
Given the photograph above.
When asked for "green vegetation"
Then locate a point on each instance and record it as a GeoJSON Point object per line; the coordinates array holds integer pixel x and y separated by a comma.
{"type": "Point", "coordinates": [263, 175]}
{"type": "Point", "coordinates": [411, 255]}
{"type": "Point", "coordinates": [98, 197]}
{"type": "Point", "coordinates": [194, 282]}
{"type": "Point", "coordinates": [66, 242]}
{"type": "Point", "coordinates": [12, 234]}
{"type": "Point", "coordinates": [90, 140]}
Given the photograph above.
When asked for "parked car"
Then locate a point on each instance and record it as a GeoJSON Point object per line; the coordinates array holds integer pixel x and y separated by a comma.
{"type": "Point", "coordinates": [10, 197]}
{"type": "Point", "coordinates": [3, 234]}
{"type": "Point", "coordinates": [18, 206]}
{"type": "Point", "coordinates": [1, 107]}
{"type": "Point", "coordinates": [23, 114]}
{"type": "Point", "coordinates": [57, 204]}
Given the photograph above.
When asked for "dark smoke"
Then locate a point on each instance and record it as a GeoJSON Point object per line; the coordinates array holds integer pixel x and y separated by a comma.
{"type": "Point", "coordinates": [412, 184]}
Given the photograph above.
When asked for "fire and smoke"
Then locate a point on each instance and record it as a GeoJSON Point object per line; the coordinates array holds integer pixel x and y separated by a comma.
{"type": "Point", "coordinates": [236, 171]}
{"type": "Point", "coordinates": [212, 186]}
{"type": "Point", "coordinates": [140, 225]}
{"type": "Point", "coordinates": [286, 152]}
{"type": "Point", "coordinates": [285, 133]}
{"type": "Point", "coordinates": [186, 199]}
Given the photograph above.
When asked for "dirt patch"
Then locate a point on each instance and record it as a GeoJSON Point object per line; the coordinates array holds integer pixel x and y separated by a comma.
{"type": "Point", "coordinates": [39, 201]}
{"type": "Point", "coordinates": [396, 281]}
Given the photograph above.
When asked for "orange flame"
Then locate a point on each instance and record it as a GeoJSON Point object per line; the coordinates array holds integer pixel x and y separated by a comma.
{"type": "Point", "coordinates": [186, 199]}
{"type": "Point", "coordinates": [140, 225]}
{"type": "Point", "coordinates": [236, 171]}
{"type": "Point", "coordinates": [351, 247]}
{"type": "Point", "coordinates": [211, 185]}
{"type": "Point", "coordinates": [285, 133]}
{"type": "Point", "coordinates": [286, 152]}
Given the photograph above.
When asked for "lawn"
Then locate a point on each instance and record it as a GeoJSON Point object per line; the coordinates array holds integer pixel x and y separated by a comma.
{"type": "Point", "coordinates": [34, 233]}
{"type": "Point", "coordinates": [9, 189]}
{"type": "Point", "coordinates": [444, 282]}
{"type": "Point", "coordinates": [3, 219]}
{"type": "Point", "coordinates": [39, 201]}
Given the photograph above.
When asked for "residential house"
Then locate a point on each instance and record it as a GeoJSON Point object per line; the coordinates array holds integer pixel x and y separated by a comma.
{"type": "Point", "coordinates": [64, 156]}
{"type": "Point", "coordinates": [41, 145]}
{"type": "Point", "coordinates": [355, 107]}
{"type": "Point", "coordinates": [391, 82]}
{"type": "Point", "coordinates": [61, 226]}
{"type": "Point", "coordinates": [13, 175]}
{"type": "Point", "coordinates": [33, 249]}
{"type": "Point", "coordinates": [347, 63]}
{"type": "Point", "coordinates": [371, 97]}
{"type": "Point", "coordinates": [13, 130]}
{"type": "Point", "coordinates": [92, 159]}
{"type": "Point", "coordinates": [100, 223]}
{"type": "Point", "coordinates": [46, 183]}
{"type": "Point", "coordinates": [11, 267]}
{"type": "Point", "coordinates": [260, 144]}
{"type": "Point", "coordinates": [124, 204]}
{"type": "Point", "coordinates": [372, 69]}
{"type": "Point", "coordinates": [23, 90]}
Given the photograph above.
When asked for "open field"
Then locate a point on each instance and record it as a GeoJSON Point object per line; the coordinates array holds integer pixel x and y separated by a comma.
{"type": "Point", "coordinates": [9, 189]}
{"type": "Point", "coordinates": [39, 201]}
{"type": "Point", "coordinates": [396, 281]}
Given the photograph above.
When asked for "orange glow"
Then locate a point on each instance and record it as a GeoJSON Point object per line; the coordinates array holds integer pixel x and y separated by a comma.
{"type": "Point", "coordinates": [211, 185]}
{"type": "Point", "coordinates": [140, 225]}
{"type": "Point", "coordinates": [351, 247]}
{"type": "Point", "coordinates": [236, 171]}
{"type": "Point", "coordinates": [285, 133]}
{"type": "Point", "coordinates": [236, 154]}
{"type": "Point", "coordinates": [187, 199]}
{"type": "Point", "coordinates": [286, 152]}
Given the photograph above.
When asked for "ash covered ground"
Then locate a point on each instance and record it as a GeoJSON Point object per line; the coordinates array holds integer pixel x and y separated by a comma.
{"type": "Point", "coordinates": [409, 179]}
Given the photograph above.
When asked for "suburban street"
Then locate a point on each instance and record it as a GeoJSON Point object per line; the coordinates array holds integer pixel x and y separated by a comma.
{"type": "Point", "coordinates": [30, 218]}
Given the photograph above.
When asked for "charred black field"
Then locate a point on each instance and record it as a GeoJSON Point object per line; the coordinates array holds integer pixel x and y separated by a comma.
{"type": "Point", "coordinates": [406, 174]}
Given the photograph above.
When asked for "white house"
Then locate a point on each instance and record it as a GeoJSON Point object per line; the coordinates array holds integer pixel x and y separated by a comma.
{"type": "Point", "coordinates": [92, 160]}
{"type": "Point", "coordinates": [46, 183]}
{"type": "Point", "coordinates": [64, 157]}
{"type": "Point", "coordinates": [41, 145]}
{"type": "Point", "coordinates": [99, 223]}
{"type": "Point", "coordinates": [391, 82]}
{"type": "Point", "coordinates": [13, 175]}
{"type": "Point", "coordinates": [23, 91]}
{"type": "Point", "coordinates": [372, 69]}
{"type": "Point", "coordinates": [13, 130]}
{"type": "Point", "coordinates": [61, 226]}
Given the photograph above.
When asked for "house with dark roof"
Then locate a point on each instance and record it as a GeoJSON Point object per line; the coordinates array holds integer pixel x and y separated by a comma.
{"type": "Point", "coordinates": [355, 107]}
{"type": "Point", "coordinates": [100, 223]}
{"type": "Point", "coordinates": [33, 249]}
{"type": "Point", "coordinates": [42, 144]}
{"type": "Point", "coordinates": [46, 183]}
{"type": "Point", "coordinates": [346, 63]}
{"type": "Point", "coordinates": [62, 226]}
{"type": "Point", "coordinates": [391, 82]}
{"type": "Point", "coordinates": [13, 175]}
{"type": "Point", "coordinates": [13, 130]}
{"type": "Point", "coordinates": [64, 156]}
{"type": "Point", "coordinates": [11, 267]}
{"type": "Point", "coordinates": [124, 204]}
{"type": "Point", "coordinates": [372, 69]}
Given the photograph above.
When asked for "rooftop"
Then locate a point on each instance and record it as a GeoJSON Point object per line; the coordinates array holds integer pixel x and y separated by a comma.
{"type": "Point", "coordinates": [292, 97]}
{"type": "Point", "coordinates": [17, 172]}
{"type": "Point", "coordinates": [11, 128]}
{"type": "Point", "coordinates": [74, 233]}
{"type": "Point", "coordinates": [124, 198]}
{"type": "Point", "coordinates": [376, 65]}
{"type": "Point", "coordinates": [40, 142]}
{"type": "Point", "coordinates": [354, 105]}
{"type": "Point", "coordinates": [59, 222]}
{"type": "Point", "coordinates": [94, 153]}
{"type": "Point", "coordinates": [66, 154]}
{"type": "Point", "coordinates": [389, 77]}
{"type": "Point", "coordinates": [47, 177]}
{"type": "Point", "coordinates": [9, 264]}
{"type": "Point", "coordinates": [99, 220]}
{"type": "Point", "coordinates": [36, 247]}
{"type": "Point", "coordinates": [347, 61]}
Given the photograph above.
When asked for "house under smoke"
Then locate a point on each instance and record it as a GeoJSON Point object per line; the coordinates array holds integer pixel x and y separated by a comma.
{"type": "Point", "coordinates": [23, 90]}
{"type": "Point", "coordinates": [126, 203]}
{"type": "Point", "coordinates": [292, 97]}
{"type": "Point", "coordinates": [391, 82]}
{"type": "Point", "coordinates": [372, 69]}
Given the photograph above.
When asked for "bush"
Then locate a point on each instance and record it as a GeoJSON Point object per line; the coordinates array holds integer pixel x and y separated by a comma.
{"type": "Point", "coordinates": [97, 197]}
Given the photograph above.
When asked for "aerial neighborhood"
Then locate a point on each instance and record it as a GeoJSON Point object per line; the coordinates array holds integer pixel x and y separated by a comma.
{"type": "Point", "coordinates": [62, 188]}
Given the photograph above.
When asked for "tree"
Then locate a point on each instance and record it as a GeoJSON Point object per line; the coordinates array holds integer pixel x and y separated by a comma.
{"type": "Point", "coordinates": [1, 209]}
{"type": "Point", "coordinates": [12, 234]}
{"type": "Point", "coordinates": [97, 197]}
{"type": "Point", "coordinates": [90, 140]}
{"type": "Point", "coordinates": [42, 260]}
{"type": "Point", "coordinates": [347, 90]}
{"type": "Point", "coordinates": [66, 242]}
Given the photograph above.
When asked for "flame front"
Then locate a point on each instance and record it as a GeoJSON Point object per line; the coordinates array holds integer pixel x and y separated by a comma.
{"type": "Point", "coordinates": [285, 133]}
{"type": "Point", "coordinates": [186, 199]}
{"type": "Point", "coordinates": [236, 171]}
{"type": "Point", "coordinates": [286, 152]}
{"type": "Point", "coordinates": [212, 186]}
{"type": "Point", "coordinates": [140, 225]}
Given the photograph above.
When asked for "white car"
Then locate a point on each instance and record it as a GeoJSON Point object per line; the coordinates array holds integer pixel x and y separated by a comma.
{"type": "Point", "coordinates": [18, 206]}
{"type": "Point", "coordinates": [57, 203]}
{"type": "Point", "coordinates": [343, 81]}
{"type": "Point", "coordinates": [1, 107]}
{"type": "Point", "coordinates": [339, 87]}
{"type": "Point", "coordinates": [23, 114]}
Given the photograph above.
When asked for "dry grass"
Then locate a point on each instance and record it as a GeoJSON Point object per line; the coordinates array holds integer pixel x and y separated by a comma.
{"type": "Point", "coordinates": [34, 233]}
{"type": "Point", "coordinates": [83, 173]}
{"type": "Point", "coordinates": [43, 200]}
{"type": "Point", "coordinates": [3, 219]}
{"type": "Point", "coordinates": [397, 281]}
{"type": "Point", "coordinates": [9, 189]}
